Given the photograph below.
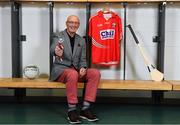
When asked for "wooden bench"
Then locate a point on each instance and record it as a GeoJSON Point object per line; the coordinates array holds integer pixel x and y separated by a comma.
{"type": "Point", "coordinates": [175, 85]}
{"type": "Point", "coordinates": [104, 84]}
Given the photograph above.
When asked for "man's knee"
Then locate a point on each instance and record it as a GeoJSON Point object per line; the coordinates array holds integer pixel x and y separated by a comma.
{"type": "Point", "coordinates": [72, 74]}
{"type": "Point", "coordinates": [95, 72]}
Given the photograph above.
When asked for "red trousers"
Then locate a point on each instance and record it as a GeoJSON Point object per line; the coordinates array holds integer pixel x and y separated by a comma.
{"type": "Point", "coordinates": [71, 77]}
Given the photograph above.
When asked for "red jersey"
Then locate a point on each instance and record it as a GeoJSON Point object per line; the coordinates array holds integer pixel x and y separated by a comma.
{"type": "Point", "coordinates": [106, 35]}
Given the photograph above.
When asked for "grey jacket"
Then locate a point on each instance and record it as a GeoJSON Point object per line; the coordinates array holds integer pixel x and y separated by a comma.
{"type": "Point", "coordinates": [77, 58]}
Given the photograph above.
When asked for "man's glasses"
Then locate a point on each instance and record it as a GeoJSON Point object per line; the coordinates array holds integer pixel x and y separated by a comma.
{"type": "Point", "coordinates": [71, 23]}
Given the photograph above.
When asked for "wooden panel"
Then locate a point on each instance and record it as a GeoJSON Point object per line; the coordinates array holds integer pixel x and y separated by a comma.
{"type": "Point", "coordinates": [94, 0]}
{"type": "Point", "coordinates": [175, 85]}
{"type": "Point", "coordinates": [125, 0]}
{"type": "Point", "coordinates": [104, 84]}
{"type": "Point", "coordinates": [173, 0]}
{"type": "Point", "coordinates": [51, 0]}
{"type": "Point", "coordinates": [4, 0]}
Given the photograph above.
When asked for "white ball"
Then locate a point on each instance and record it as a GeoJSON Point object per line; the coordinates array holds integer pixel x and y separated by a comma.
{"type": "Point", "coordinates": [31, 72]}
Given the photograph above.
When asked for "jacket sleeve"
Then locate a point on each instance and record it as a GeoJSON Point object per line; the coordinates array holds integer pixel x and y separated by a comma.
{"type": "Point", "coordinates": [54, 43]}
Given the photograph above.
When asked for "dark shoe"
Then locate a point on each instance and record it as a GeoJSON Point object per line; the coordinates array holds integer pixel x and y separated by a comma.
{"type": "Point", "coordinates": [73, 117]}
{"type": "Point", "coordinates": [88, 115]}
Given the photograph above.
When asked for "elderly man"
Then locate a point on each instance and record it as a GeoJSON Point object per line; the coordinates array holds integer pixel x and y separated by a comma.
{"type": "Point", "coordinates": [70, 67]}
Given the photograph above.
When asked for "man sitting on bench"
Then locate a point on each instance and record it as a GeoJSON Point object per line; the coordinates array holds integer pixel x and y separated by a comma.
{"type": "Point", "coordinates": [70, 67]}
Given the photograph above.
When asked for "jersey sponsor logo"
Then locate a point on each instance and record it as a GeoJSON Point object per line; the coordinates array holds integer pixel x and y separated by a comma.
{"type": "Point", "coordinates": [107, 34]}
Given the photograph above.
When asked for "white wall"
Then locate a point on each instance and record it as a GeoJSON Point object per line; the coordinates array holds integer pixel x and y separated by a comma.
{"type": "Point", "coordinates": [172, 56]}
{"type": "Point", "coordinates": [144, 22]}
{"type": "Point", "coordinates": [143, 17]}
{"type": "Point", "coordinates": [35, 25]}
{"type": "Point", "coordinates": [5, 41]}
{"type": "Point", "coordinates": [5, 45]}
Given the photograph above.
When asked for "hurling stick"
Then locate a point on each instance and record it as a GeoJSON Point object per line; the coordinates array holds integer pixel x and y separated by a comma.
{"type": "Point", "coordinates": [154, 73]}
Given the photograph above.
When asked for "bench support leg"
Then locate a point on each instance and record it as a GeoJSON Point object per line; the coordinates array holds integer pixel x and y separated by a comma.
{"type": "Point", "coordinates": [157, 97]}
{"type": "Point", "coordinates": [16, 47]}
{"type": "Point", "coordinates": [20, 94]}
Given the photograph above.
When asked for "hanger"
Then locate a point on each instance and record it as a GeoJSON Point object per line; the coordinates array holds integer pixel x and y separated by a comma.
{"type": "Point", "coordinates": [106, 8]}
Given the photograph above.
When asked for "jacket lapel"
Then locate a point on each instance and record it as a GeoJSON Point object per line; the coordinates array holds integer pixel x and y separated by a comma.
{"type": "Point", "coordinates": [67, 42]}
{"type": "Point", "coordinates": [76, 43]}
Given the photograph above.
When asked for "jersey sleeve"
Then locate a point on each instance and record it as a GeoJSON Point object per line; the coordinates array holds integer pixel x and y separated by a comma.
{"type": "Point", "coordinates": [120, 27]}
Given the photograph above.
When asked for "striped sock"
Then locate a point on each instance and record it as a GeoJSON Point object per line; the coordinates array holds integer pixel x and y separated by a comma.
{"type": "Point", "coordinates": [71, 107]}
{"type": "Point", "coordinates": [86, 105]}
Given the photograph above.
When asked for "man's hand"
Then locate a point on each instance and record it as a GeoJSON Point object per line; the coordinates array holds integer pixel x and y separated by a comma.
{"type": "Point", "coordinates": [58, 51]}
{"type": "Point", "coordinates": [82, 72]}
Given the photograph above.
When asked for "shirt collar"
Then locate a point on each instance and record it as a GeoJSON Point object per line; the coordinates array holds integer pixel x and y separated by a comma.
{"type": "Point", "coordinates": [100, 13]}
{"type": "Point", "coordinates": [70, 36]}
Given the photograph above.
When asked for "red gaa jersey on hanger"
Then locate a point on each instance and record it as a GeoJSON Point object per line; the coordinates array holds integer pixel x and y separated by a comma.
{"type": "Point", "coordinates": [105, 29]}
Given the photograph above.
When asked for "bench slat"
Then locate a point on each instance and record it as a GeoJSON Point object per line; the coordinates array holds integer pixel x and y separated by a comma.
{"type": "Point", "coordinates": [104, 84]}
{"type": "Point", "coordinates": [175, 84]}
{"type": "Point", "coordinates": [36, 83]}
{"type": "Point", "coordinates": [135, 85]}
